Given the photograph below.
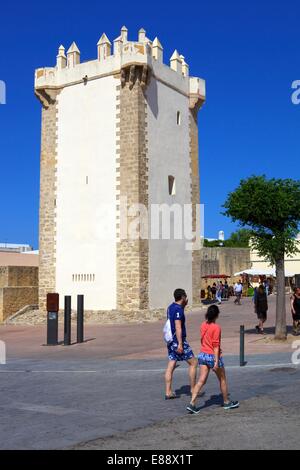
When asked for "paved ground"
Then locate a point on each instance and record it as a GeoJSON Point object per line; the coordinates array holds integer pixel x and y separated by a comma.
{"type": "Point", "coordinates": [107, 393]}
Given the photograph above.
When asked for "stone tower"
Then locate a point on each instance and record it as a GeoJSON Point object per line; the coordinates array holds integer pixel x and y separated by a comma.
{"type": "Point", "coordinates": [118, 133]}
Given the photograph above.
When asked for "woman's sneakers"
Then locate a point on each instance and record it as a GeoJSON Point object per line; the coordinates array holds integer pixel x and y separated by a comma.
{"type": "Point", "coordinates": [227, 406]}
{"type": "Point", "coordinates": [193, 409]}
{"type": "Point", "coordinates": [230, 405]}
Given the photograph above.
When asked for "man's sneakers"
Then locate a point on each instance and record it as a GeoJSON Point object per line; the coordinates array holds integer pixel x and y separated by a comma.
{"type": "Point", "coordinates": [230, 405]}
{"type": "Point", "coordinates": [193, 409]}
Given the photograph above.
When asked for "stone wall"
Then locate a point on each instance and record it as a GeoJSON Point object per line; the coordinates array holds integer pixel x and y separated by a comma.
{"type": "Point", "coordinates": [22, 276]}
{"type": "Point", "coordinates": [3, 276]}
{"type": "Point", "coordinates": [224, 261]}
{"type": "Point", "coordinates": [194, 156]}
{"type": "Point", "coordinates": [47, 200]}
{"type": "Point", "coordinates": [18, 288]}
{"type": "Point", "coordinates": [132, 183]}
{"type": "Point", "coordinates": [12, 299]}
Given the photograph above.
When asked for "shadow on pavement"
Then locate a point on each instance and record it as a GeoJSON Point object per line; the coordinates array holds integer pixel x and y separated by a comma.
{"type": "Point", "coordinates": [213, 400]}
{"type": "Point", "coordinates": [185, 390]}
{"type": "Point", "coordinates": [270, 330]}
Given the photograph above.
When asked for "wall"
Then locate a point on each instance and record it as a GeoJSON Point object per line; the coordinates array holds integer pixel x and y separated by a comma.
{"type": "Point", "coordinates": [12, 299]}
{"type": "Point", "coordinates": [132, 255]}
{"type": "Point", "coordinates": [18, 259]}
{"type": "Point", "coordinates": [86, 193]}
{"type": "Point", "coordinates": [170, 264]}
{"type": "Point", "coordinates": [47, 229]}
{"type": "Point", "coordinates": [224, 261]}
{"type": "Point", "coordinates": [292, 263]}
{"type": "Point", "coordinates": [18, 288]}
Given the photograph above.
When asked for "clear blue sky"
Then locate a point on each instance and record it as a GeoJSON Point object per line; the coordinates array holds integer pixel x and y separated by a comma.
{"type": "Point", "coordinates": [248, 52]}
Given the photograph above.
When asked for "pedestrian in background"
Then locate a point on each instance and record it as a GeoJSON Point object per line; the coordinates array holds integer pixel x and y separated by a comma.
{"type": "Point", "coordinates": [214, 291]}
{"type": "Point", "coordinates": [238, 290]}
{"type": "Point", "coordinates": [261, 308]}
{"type": "Point", "coordinates": [219, 292]}
{"type": "Point", "coordinates": [295, 308]}
{"type": "Point", "coordinates": [226, 290]}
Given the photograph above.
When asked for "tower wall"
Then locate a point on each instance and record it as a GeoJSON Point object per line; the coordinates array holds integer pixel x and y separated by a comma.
{"type": "Point", "coordinates": [86, 193]}
{"type": "Point", "coordinates": [47, 228]}
{"type": "Point", "coordinates": [195, 190]}
{"type": "Point", "coordinates": [170, 263]}
{"type": "Point", "coordinates": [133, 255]}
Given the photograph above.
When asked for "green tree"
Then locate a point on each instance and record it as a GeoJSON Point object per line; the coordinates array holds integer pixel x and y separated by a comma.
{"type": "Point", "coordinates": [270, 208]}
{"type": "Point", "coordinates": [211, 243]}
{"type": "Point", "coordinates": [239, 239]}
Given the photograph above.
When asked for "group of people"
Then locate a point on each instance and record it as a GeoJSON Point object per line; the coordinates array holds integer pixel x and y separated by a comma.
{"type": "Point", "coordinates": [219, 291]}
{"type": "Point", "coordinates": [209, 359]}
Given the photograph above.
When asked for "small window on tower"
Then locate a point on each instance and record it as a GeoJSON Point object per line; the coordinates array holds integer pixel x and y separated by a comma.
{"type": "Point", "coordinates": [178, 118]}
{"type": "Point", "coordinates": [172, 186]}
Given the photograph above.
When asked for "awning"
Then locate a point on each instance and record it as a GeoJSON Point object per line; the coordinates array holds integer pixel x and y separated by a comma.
{"type": "Point", "coordinates": [216, 276]}
{"type": "Point", "coordinates": [262, 272]}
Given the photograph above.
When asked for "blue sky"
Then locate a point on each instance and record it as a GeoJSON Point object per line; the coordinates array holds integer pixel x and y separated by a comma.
{"type": "Point", "coordinates": [248, 52]}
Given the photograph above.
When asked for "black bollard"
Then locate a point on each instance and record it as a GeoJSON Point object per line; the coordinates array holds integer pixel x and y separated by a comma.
{"type": "Point", "coordinates": [67, 328]}
{"type": "Point", "coordinates": [80, 318]}
{"type": "Point", "coordinates": [242, 345]}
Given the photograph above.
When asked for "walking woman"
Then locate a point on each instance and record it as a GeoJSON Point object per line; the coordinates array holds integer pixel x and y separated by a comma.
{"type": "Point", "coordinates": [261, 308]}
{"type": "Point", "coordinates": [210, 358]}
{"type": "Point", "coordinates": [295, 307]}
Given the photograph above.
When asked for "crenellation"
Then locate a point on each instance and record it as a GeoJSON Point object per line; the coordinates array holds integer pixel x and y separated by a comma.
{"type": "Point", "coordinates": [73, 55]}
{"type": "Point", "coordinates": [69, 70]}
{"type": "Point", "coordinates": [61, 59]}
{"type": "Point", "coordinates": [175, 62]}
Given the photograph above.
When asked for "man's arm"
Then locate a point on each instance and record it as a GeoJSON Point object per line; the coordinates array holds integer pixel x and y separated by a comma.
{"type": "Point", "coordinates": [178, 328]}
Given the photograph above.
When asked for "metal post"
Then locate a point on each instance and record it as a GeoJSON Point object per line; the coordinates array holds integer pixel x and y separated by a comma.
{"type": "Point", "coordinates": [242, 345]}
{"type": "Point", "coordinates": [80, 310]}
{"type": "Point", "coordinates": [52, 319]}
{"type": "Point", "coordinates": [67, 329]}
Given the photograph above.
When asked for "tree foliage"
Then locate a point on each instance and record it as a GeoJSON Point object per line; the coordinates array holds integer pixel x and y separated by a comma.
{"type": "Point", "coordinates": [238, 239]}
{"type": "Point", "coordinates": [270, 210]}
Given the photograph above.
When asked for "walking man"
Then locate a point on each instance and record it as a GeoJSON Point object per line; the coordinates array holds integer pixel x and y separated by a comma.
{"type": "Point", "coordinates": [238, 289]}
{"type": "Point", "coordinates": [219, 292]}
{"type": "Point", "coordinates": [178, 347]}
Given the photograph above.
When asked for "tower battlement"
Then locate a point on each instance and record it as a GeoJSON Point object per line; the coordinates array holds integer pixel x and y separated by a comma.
{"type": "Point", "coordinates": [142, 53]}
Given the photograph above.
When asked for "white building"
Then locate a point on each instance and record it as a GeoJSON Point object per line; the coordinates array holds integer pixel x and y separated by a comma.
{"type": "Point", "coordinates": [122, 127]}
{"type": "Point", "coordinates": [291, 263]}
{"type": "Point", "coordinates": [15, 248]}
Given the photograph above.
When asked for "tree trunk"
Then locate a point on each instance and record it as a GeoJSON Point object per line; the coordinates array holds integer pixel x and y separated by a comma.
{"type": "Point", "coordinates": [280, 330]}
